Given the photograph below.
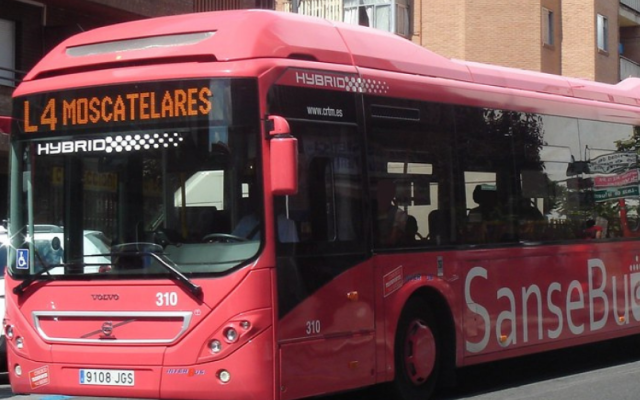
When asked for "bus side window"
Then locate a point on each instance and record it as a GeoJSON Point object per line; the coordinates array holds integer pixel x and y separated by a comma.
{"type": "Point", "coordinates": [327, 210]}
{"type": "Point", "coordinates": [331, 212]}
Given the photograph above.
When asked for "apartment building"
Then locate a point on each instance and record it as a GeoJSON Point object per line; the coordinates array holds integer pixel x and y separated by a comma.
{"type": "Point", "coordinates": [592, 39]}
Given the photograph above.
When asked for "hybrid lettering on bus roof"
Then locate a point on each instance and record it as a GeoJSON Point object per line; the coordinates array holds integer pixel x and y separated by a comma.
{"type": "Point", "coordinates": [334, 81]}
{"type": "Point", "coordinates": [113, 106]}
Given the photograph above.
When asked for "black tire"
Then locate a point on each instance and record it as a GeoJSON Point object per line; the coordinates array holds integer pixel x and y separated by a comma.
{"type": "Point", "coordinates": [417, 353]}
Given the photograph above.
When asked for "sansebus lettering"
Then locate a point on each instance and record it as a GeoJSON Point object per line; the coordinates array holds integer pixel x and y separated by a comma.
{"type": "Point", "coordinates": [601, 295]}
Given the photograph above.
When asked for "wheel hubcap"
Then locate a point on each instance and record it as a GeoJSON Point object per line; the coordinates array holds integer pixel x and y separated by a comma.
{"type": "Point", "coordinates": [420, 352]}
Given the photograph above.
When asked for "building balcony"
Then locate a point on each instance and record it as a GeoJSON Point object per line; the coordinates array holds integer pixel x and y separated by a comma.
{"type": "Point", "coordinates": [628, 68]}
{"type": "Point", "coordinates": [634, 5]}
{"type": "Point", "coordinates": [219, 5]}
{"type": "Point", "coordinates": [10, 77]}
{"type": "Point", "coordinates": [629, 14]}
{"type": "Point", "coordinates": [327, 9]}
{"type": "Point", "coordinates": [390, 16]}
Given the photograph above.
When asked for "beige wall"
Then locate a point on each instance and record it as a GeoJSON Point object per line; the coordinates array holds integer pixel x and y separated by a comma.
{"type": "Point", "coordinates": [579, 38]}
{"type": "Point", "coordinates": [551, 56]}
{"type": "Point", "coordinates": [581, 57]}
{"type": "Point", "coordinates": [509, 33]}
{"type": "Point", "coordinates": [504, 32]}
{"type": "Point", "coordinates": [443, 23]}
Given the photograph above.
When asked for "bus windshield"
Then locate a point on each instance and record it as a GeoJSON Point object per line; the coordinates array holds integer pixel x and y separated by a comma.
{"type": "Point", "coordinates": [124, 180]}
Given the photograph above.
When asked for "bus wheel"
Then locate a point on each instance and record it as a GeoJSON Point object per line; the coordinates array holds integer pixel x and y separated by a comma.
{"type": "Point", "coordinates": [417, 358]}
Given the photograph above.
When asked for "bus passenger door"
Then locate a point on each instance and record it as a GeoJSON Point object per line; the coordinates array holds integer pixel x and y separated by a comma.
{"type": "Point", "coordinates": [325, 283]}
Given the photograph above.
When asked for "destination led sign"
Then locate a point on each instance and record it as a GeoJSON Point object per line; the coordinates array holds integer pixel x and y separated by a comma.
{"type": "Point", "coordinates": [116, 107]}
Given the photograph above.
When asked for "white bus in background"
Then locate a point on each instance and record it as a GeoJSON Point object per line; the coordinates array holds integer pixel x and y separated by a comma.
{"type": "Point", "coordinates": [202, 189]}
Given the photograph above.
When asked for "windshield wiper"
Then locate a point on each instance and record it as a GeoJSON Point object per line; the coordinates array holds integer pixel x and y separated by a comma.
{"type": "Point", "coordinates": [180, 277]}
{"type": "Point", "coordinates": [155, 251]}
{"type": "Point", "coordinates": [165, 262]}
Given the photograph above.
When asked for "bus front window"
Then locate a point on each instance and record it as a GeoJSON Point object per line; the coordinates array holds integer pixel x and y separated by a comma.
{"type": "Point", "coordinates": [178, 192]}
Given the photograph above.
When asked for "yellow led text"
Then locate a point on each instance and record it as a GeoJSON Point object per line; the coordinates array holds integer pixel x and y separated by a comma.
{"type": "Point", "coordinates": [129, 107]}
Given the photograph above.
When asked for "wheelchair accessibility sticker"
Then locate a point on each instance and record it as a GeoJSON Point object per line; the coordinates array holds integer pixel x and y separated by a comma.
{"type": "Point", "coordinates": [22, 262]}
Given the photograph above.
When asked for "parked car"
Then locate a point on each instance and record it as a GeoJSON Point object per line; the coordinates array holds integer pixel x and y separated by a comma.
{"type": "Point", "coordinates": [48, 245]}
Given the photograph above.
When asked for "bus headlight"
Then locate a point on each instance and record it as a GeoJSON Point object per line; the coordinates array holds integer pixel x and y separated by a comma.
{"type": "Point", "coordinates": [231, 335]}
{"type": "Point", "coordinates": [8, 331]}
{"type": "Point", "coordinates": [234, 333]}
{"type": "Point", "coordinates": [215, 346]}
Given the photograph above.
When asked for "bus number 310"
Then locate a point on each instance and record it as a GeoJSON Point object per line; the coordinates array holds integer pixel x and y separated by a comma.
{"type": "Point", "coordinates": [166, 299]}
{"type": "Point", "coordinates": [313, 327]}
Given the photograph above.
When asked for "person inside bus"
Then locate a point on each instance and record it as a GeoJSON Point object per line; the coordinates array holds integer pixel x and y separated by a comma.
{"type": "Point", "coordinates": [483, 221]}
{"type": "Point", "coordinates": [438, 227]}
{"type": "Point", "coordinates": [249, 226]}
{"type": "Point", "coordinates": [411, 234]}
{"type": "Point", "coordinates": [391, 220]}
{"type": "Point", "coordinates": [488, 209]}
{"type": "Point", "coordinates": [528, 211]}
{"type": "Point", "coordinates": [530, 220]}
{"type": "Point", "coordinates": [592, 231]}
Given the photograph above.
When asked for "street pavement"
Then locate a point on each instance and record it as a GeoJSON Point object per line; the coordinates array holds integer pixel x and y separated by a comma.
{"type": "Point", "coordinates": [606, 370]}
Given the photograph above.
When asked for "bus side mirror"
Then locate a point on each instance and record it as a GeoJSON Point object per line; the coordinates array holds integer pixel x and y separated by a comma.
{"type": "Point", "coordinates": [284, 157]}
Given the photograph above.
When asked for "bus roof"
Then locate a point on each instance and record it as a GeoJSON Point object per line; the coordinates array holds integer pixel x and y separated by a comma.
{"type": "Point", "coordinates": [254, 34]}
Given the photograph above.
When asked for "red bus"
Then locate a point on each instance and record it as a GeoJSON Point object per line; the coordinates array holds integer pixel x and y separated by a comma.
{"type": "Point", "coordinates": [260, 205]}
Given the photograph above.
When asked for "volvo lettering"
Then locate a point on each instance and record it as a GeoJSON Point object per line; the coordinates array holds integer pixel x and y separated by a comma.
{"type": "Point", "coordinates": [105, 297]}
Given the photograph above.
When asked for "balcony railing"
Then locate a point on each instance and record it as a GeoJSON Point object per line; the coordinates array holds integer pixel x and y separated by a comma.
{"type": "Point", "coordinates": [11, 77]}
{"type": "Point", "coordinates": [328, 9]}
{"type": "Point", "coordinates": [218, 5]}
{"type": "Point", "coordinates": [632, 4]}
{"type": "Point", "coordinates": [628, 68]}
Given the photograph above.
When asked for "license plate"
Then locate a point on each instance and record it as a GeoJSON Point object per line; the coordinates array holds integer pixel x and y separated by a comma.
{"type": "Point", "coordinates": [107, 377]}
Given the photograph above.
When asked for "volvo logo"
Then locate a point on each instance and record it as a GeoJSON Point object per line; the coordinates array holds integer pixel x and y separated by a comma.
{"type": "Point", "coordinates": [107, 328]}
{"type": "Point", "coordinates": [105, 297]}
